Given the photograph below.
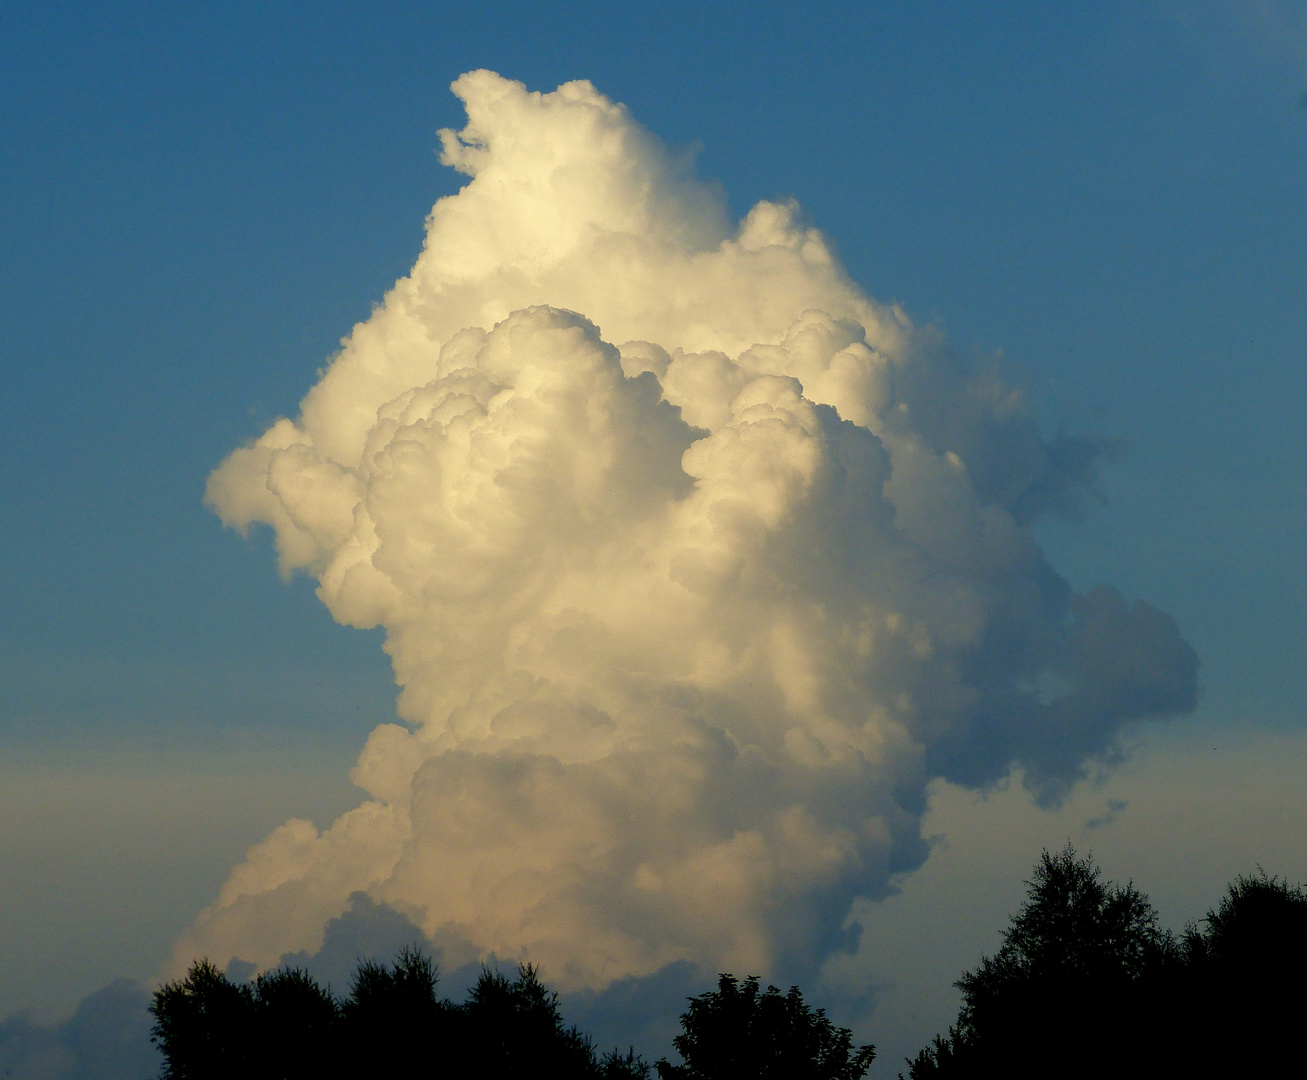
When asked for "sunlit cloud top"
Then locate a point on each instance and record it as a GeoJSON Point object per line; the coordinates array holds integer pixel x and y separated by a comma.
{"type": "Point", "coordinates": [695, 565]}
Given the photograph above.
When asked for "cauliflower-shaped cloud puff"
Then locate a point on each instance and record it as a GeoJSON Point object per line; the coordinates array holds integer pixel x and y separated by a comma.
{"type": "Point", "coordinates": [695, 564]}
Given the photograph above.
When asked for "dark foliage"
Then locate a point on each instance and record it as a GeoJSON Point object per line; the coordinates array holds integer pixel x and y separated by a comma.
{"type": "Point", "coordinates": [295, 1027]}
{"type": "Point", "coordinates": [1072, 983]}
{"type": "Point", "coordinates": [1086, 984]}
{"type": "Point", "coordinates": [1245, 987]}
{"type": "Point", "coordinates": [202, 1025]}
{"type": "Point", "coordinates": [738, 1032]}
{"type": "Point", "coordinates": [284, 1026]}
{"type": "Point", "coordinates": [393, 1016]}
{"type": "Point", "coordinates": [513, 1028]}
{"type": "Point", "coordinates": [615, 1065]}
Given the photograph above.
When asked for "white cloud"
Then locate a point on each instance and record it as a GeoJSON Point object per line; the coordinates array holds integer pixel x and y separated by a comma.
{"type": "Point", "coordinates": [695, 565]}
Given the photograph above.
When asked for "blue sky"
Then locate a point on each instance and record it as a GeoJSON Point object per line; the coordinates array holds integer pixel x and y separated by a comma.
{"type": "Point", "coordinates": [198, 205]}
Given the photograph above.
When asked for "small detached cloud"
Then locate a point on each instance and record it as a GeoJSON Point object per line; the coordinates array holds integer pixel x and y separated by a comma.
{"type": "Point", "coordinates": [696, 565]}
{"type": "Point", "coordinates": [1109, 815]}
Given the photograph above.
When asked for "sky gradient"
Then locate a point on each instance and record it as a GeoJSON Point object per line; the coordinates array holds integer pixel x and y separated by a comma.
{"type": "Point", "coordinates": [199, 207]}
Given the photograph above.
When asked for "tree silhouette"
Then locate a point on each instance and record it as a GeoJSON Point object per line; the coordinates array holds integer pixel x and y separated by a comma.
{"type": "Point", "coordinates": [393, 1020]}
{"type": "Point", "coordinates": [1086, 984]}
{"type": "Point", "coordinates": [295, 1031]}
{"type": "Point", "coordinates": [615, 1065]}
{"type": "Point", "coordinates": [284, 1026]}
{"type": "Point", "coordinates": [738, 1032]}
{"type": "Point", "coordinates": [1073, 989]}
{"type": "Point", "coordinates": [202, 1024]}
{"type": "Point", "coordinates": [1245, 976]}
{"type": "Point", "coordinates": [514, 1028]}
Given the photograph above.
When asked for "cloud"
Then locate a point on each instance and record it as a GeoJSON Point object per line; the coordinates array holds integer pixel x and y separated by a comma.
{"type": "Point", "coordinates": [1109, 814]}
{"type": "Point", "coordinates": [365, 930]}
{"type": "Point", "coordinates": [107, 1038]}
{"type": "Point", "coordinates": [641, 1012]}
{"type": "Point", "coordinates": [695, 566]}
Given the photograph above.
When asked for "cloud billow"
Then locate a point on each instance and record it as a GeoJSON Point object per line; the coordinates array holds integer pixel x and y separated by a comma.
{"type": "Point", "coordinates": [696, 565]}
{"type": "Point", "coordinates": [107, 1037]}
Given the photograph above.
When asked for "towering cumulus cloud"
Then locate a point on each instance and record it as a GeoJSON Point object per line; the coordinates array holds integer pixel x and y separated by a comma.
{"type": "Point", "coordinates": [695, 565]}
